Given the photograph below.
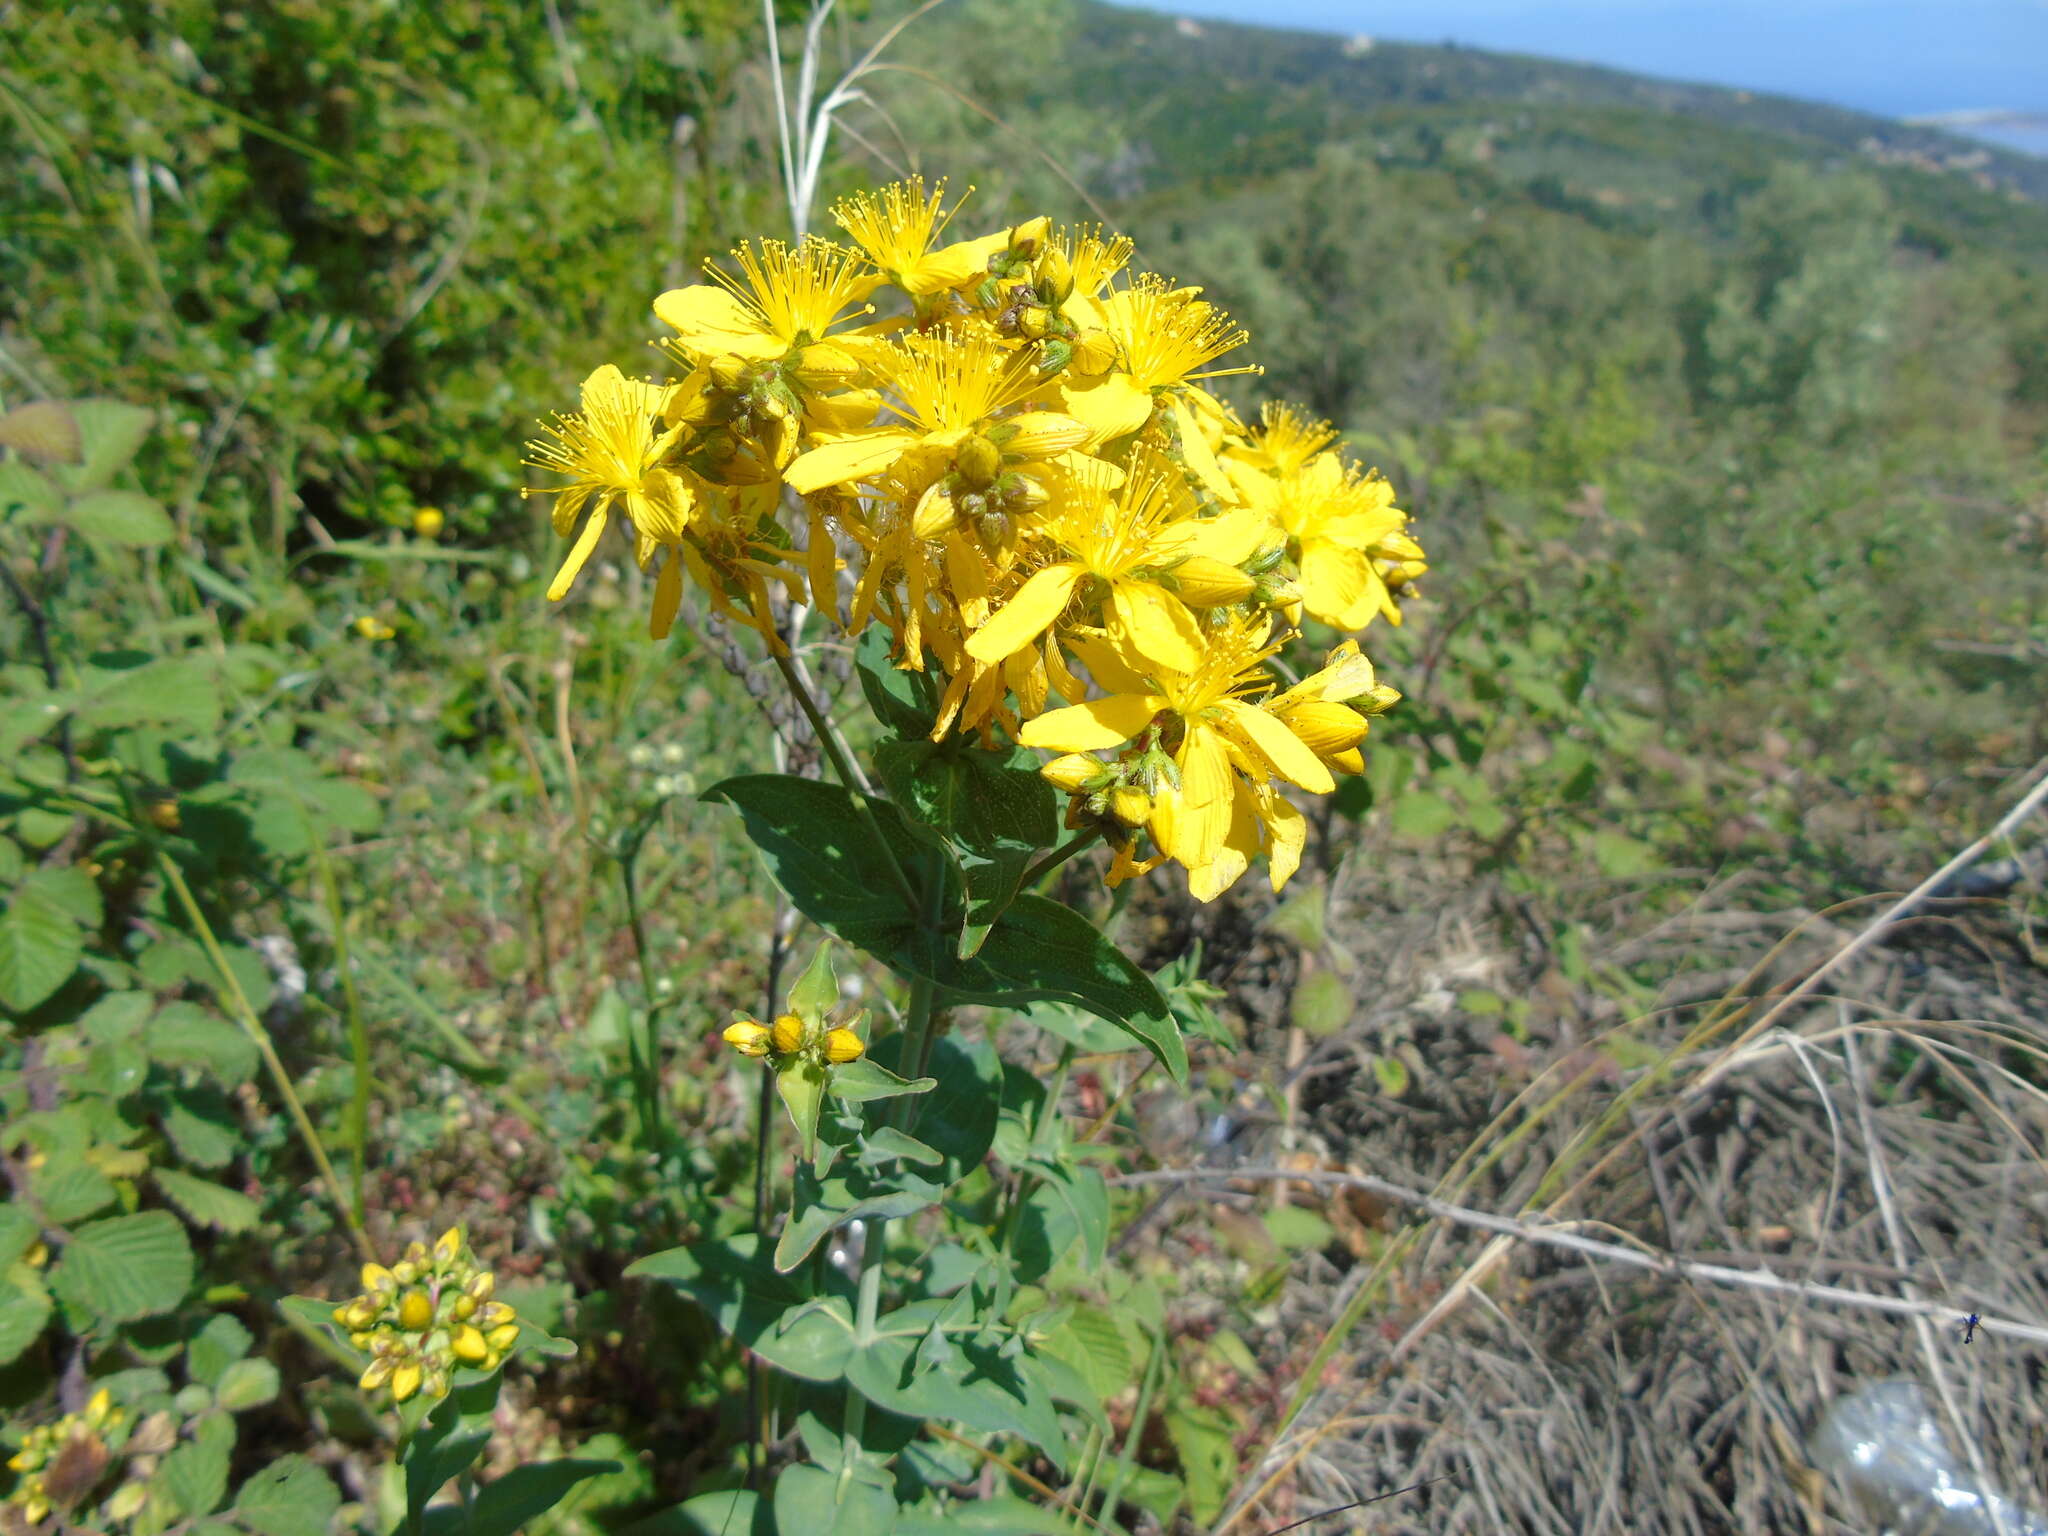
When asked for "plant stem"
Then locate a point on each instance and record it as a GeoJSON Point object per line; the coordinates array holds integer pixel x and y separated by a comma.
{"type": "Point", "coordinates": [1139, 1414]}
{"type": "Point", "coordinates": [1059, 856]}
{"type": "Point", "coordinates": [245, 1015]}
{"type": "Point", "coordinates": [358, 1034]}
{"type": "Point", "coordinates": [651, 1129]}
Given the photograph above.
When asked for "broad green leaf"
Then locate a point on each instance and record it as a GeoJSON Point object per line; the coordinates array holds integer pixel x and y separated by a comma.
{"type": "Point", "coordinates": [117, 1016]}
{"type": "Point", "coordinates": [1204, 1438]}
{"type": "Point", "coordinates": [813, 1341]}
{"type": "Point", "coordinates": [1422, 817]}
{"type": "Point", "coordinates": [123, 689]}
{"type": "Point", "coordinates": [887, 1144]}
{"type": "Point", "coordinates": [452, 1436]}
{"type": "Point", "coordinates": [24, 1311]}
{"type": "Point", "coordinates": [127, 518]}
{"type": "Point", "coordinates": [247, 1384]}
{"type": "Point", "coordinates": [864, 1079]}
{"type": "Point", "coordinates": [22, 487]}
{"type": "Point", "coordinates": [1090, 1341]}
{"type": "Point", "coordinates": [506, 1504]}
{"type": "Point", "coordinates": [906, 702]}
{"type": "Point", "coordinates": [800, 1084]}
{"type": "Point", "coordinates": [126, 1267]}
{"type": "Point", "coordinates": [994, 1517]}
{"type": "Point", "coordinates": [202, 1128]}
{"type": "Point", "coordinates": [68, 890]}
{"type": "Point", "coordinates": [187, 1035]}
{"type": "Point", "coordinates": [290, 1497]}
{"type": "Point", "coordinates": [810, 1499]}
{"type": "Point", "coordinates": [18, 1232]}
{"type": "Point", "coordinates": [957, 1118]}
{"type": "Point", "coordinates": [71, 1189]}
{"type": "Point", "coordinates": [1041, 949]}
{"type": "Point", "coordinates": [819, 1205]}
{"type": "Point", "coordinates": [982, 799]}
{"type": "Point", "coordinates": [195, 1473]}
{"type": "Point", "coordinates": [732, 1513]}
{"type": "Point", "coordinates": [744, 1293]}
{"type": "Point", "coordinates": [205, 1203]}
{"type": "Point", "coordinates": [1083, 1192]}
{"type": "Point", "coordinates": [1295, 1229]}
{"type": "Point", "coordinates": [976, 1387]}
{"type": "Point", "coordinates": [110, 431]}
{"type": "Point", "coordinates": [215, 1347]}
{"type": "Point", "coordinates": [40, 946]}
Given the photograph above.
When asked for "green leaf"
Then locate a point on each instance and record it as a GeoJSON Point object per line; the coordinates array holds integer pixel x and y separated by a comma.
{"type": "Point", "coordinates": [1082, 1190]}
{"type": "Point", "coordinates": [69, 890]}
{"type": "Point", "coordinates": [452, 1436]}
{"type": "Point", "coordinates": [808, 1498]}
{"type": "Point", "coordinates": [984, 799]}
{"type": "Point", "coordinates": [958, 1119]}
{"type": "Point", "coordinates": [40, 946]}
{"type": "Point", "coordinates": [816, 992]}
{"type": "Point", "coordinates": [814, 1340]}
{"type": "Point", "coordinates": [863, 1079]}
{"type": "Point", "coordinates": [205, 1203]}
{"type": "Point", "coordinates": [906, 702]}
{"type": "Point", "coordinates": [735, 1512]}
{"type": "Point", "coordinates": [247, 1384]}
{"type": "Point", "coordinates": [202, 1128]}
{"type": "Point", "coordinates": [994, 1517]}
{"type": "Point", "coordinates": [1321, 1004]}
{"type": "Point", "coordinates": [127, 518]}
{"type": "Point", "coordinates": [215, 1347]}
{"type": "Point", "coordinates": [744, 1293]}
{"type": "Point", "coordinates": [111, 431]}
{"type": "Point", "coordinates": [126, 1267]}
{"type": "Point", "coordinates": [187, 1035]}
{"type": "Point", "coordinates": [22, 487]}
{"type": "Point", "coordinates": [800, 1083]}
{"type": "Point", "coordinates": [1392, 1073]}
{"type": "Point", "coordinates": [1041, 949]}
{"type": "Point", "coordinates": [819, 1205]}
{"type": "Point", "coordinates": [122, 689]}
{"type": "Point", "coordinates": [1295, 1229]}
{"type": "Point", "coordinates": [71, 1189]}
{"type": "Point", "coordinates": [24, 1311]}
{"type": "Point", "coordinates": [1421, 817]}
{"type": "Point", "coordinates": [887, 1144]}
{"type": "Point", "coordinates": [290, 1497]}
{"type": "Point", "coordinates": [975, 1387]}
{"type": "Point", "coordinates": [1203, 1437]}
{"type": "Point", "coordinates": [195, 1473]}
{"type": "Point", "coordinates": [506, 1504]}
{"type": "Point", "coordinates": [18, 1232]}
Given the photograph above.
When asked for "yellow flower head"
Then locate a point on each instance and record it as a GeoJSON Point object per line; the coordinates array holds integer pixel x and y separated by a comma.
{"type": "Point", "coordinates": [782, 299]}
{"type": "Point", "coordinates": [1091, 257]}
{"type": "Point", "coordinates": [1287, 439]}
{"type": "Point", "coordinates": [1165, 335]}
{"type": "Point", "coordinates": [896, 226]}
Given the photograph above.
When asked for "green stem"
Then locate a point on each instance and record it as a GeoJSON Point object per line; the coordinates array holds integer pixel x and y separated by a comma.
{"type": "Point", "coordinates": [1143, 1411]}
{"type": "Point", "coordinates": [1052, 861]}
{"type": "Point", "coordinates": [358, 1033]}
{"type": "Point", "coordinates": [245, 1015]}
{"type": "Point", "coordinates": [649, 1063]}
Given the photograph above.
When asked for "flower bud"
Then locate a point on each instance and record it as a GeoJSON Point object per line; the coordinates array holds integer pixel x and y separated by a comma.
{"type": "Point", "coordinates": [934, 514]}
{"type": "Point", "coordinates": [843, 1045]}
{"type": "Point", "coordinates": [730, 374]}
{"type": "Point", "coordinates": [469, 1344]}
{"type": "Point", "coordinates": [482, 1286]}
{"type": "Point", "coordinates": [1073, 773]}
{"type": "Point", "coordinates": [824, 366]}
{"type": "Point", "coordinates": [463, 1309]}
{"type": "Point", "coordinates": [1130, 805]}
{"type": "Point", "coordinates": [494, 1314]}
{"type": "Point", "coordinates": [380, 1371]}
{"type": "Point", "coordinates": [787, 1035]}
{"type": "Point", "coordinates": [1027, 238]}
{"type": "Point", "coordinates": [747, 1037]}
{"type": "Point", "coordinates": [405, 1380]}
{"type": "Point", "coordinates": [405, 1272]}
{"type": "Point", "coordinates": [1094, 353]}
{"type": "Point", "coordinates": [378, 1281]}
{"type": "Point", "coordinates": [1055, 276]}
{"type": "Point", "coordinates": [415, 1311]}
{"type": "Point", "coordinates": [428, 522]}
{"type": "Point", "coordinates": [501, 1338]}
{"type": "Point", "coordinates": [978, 461]}
{"type": "Point", "coordinates": [1033, 321]}
{"type": "Point", "coordinates": [127, 1501]}
{"type": "Point", "coordinates": [448, 1246]}
{"type": "Point", "coordinates": [1209, 583]}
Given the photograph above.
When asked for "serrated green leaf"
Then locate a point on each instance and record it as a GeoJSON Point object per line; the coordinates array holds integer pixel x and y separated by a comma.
{"type": "Point", "coordinates": [187, 1035]}
{"type": "Point", "coordinates": [127, 518]}
{"type": "Point", "coordinates": [40, 946]}
{"type": "Point", "coordinates": [69, 1189]}
{"type": "Point", "coordinates": [290, 1497]}
{"type": "Point", "coordinates": [195, 1474]}
{"type": "Point", "coordinates": [123, 689]}
{"type": "Point", "coordinates": [215, 1347]}
{"type": "Point", "coordinates": [24, 1312]}
{"type": "Point", "coordinates": [109, 431]}
{"type": "Point", "coordinates": [205, 1203]}
{"type": "Point", "coordinates": [22, 487]}
{"type": "Point", "coordinates": [18, 1232]}
{"type": "Point", "coordinates": [247, 1384]}
{"type": "Point", "coordinates": [126, 1267]}
{"type": "Point", "coordinates": [69, 890]}
{"type": "Point", "coordinates": [201, 1127]}
{"type": "Point", "coordinates": [1204, 1439]}
{"type": "Point", "coordinates": [117, 1017]}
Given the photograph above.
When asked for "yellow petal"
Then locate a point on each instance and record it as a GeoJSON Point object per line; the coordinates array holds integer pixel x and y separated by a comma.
{"type": "Point", "coordinates": [712, 322]}
{"type": "Point", "coordinates": [668, 597]}
{"type": "Point", "coordinates": [1207, 583]}
{"type": "Point", "coordinates": [579, 556]}
{"type": "Point", "coordinates": [1042, 434]}
{"type": "Point", "coordinates": [845, 459]}
{"type": "Point", "coordinates": [953, 266]}
{"type": "Point", "coordinates": [1072, 771]}
{"type": "Point", "coordinates": [1153, 625]}
{"type": "Point", "coordinates": [1194, 448]}
{"type": "Point", "coordinates": [1027, 615]}
{"type": "Point", "coordinates": [1288, 754]}
{"type": "Point", "coordinates": [1288, 830]}
{"type": "Point", "coordinates": [1087, 727]}
{"type": "Point", "coordinates": [1338, 585]}
{"type": "Point", "coordinates": [1112, 407]}
{"type": "Point", "coordinates": [1112, 671]}
{"type": "Point", "coordinates": [1234, 537]}
{"type": "Point", "coordinates": [821, 563]}
{"type": "Point", "coordinates": [1190, 823]}
{"type": "Point", "coordinates": [1208, 881]}
{"type": "Point", "coordinates": [1324, 726]}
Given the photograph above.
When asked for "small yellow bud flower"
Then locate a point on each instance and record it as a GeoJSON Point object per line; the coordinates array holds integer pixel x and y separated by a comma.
{"type": "Point", "coordinates": [405, 1272]}
{"type": "Point", "coordinates": [842, 1045]}
{"type": "Point", "coordinates": [378, 1373]}
{"type": "Point", "coordinates": [448, 1246]}
{"type": "Point", "coordinates": [428, 522]}
{"type": "Point", "coordinates": [163, 814]}
{"type": "Point", "coordinates": [1072, 772]}
{"type": "Point", "coordinates": [379, 1281]}
{"type": "Point", "coordinates": [415, 1312]}
{"type": "Point", "coordinates": [362, 1340]}
{"type": "Point", "coordinates": [469, 1344]}
{"type": "Point", "coordinates": [36, 1510]}
{"type": "Point", "coordinates": [501, 1338]}
{"type": "Point", "coordinates": [1055, 275]}
{"type": "Point", "coordinates": [405, 1381]}
{"type": "Point", "coordinates": [1026, 238]}
{"type": "Point", "coordinates": [787, 1035]}
{"type": "Point", "coordinates": [98, 1407]}
{"type": "Point", "coordinates": [747, 1037]}
{"type": "Point", "coordinates": [464, 1309]}
{"type": "Point", "coordinates": [730, 373]}
{"type": "Point", "coordinates": [1130, 805]}
{"type": "Point", "coordinates": [38, 1254]}
{"type": "Point", "coordinates": [978, 461]}
{"type": "Point", "coordinates": [1033, 321]}
{"type": "Point", "coordinates": [493, 1314]}
{"type": "Point", "coordinates": [481, 1286]}
{"type": "Point", "coordinates": [1207, 583]}
{"type": "Point", "coordinates": [370, 627]}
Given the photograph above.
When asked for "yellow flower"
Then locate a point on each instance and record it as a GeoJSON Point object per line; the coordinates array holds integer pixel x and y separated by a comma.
{"type": "Point", "coordinates": [843, 1045]}
{"type": "Point", "coordinates": [612, 452]}
{"type": "Point", "coordinates": [1328, 708]}
{"type": "Point", "coordinates": [370, 627]}
{"type": "Point", "coordinates": [782, 300]}
{"type": "Point", "coordinates": [1202, 719]}
{"type": "Point", "coordinates": [1164, 338]}
{"type": "Point", "coordinates": [428, 522]}
{"type": "Point", "coordinates": [1337, 520]}
{"type": "Point", "coordinates": [896, 226]}
{"type": "Point", "coordinates": [747, 1037]}
{"type": "Point", "coordinates": [1287, 439]}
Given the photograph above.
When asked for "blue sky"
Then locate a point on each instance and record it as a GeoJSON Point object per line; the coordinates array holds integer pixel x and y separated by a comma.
{"type": "Point", "coordinates": [1895, 57]}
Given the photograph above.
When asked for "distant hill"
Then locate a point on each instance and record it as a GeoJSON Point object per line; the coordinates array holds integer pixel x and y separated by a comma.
{"type": "Point", "coordinates": [1255, 98]}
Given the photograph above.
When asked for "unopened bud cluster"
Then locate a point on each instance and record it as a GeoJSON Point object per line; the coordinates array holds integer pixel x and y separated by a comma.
{"type": "Point", "coordinates": [426, 1316]}
{"type": "Point", "coordinates": [792, 1037]}
{"type": "Point", "coordinates": [59, 1465]}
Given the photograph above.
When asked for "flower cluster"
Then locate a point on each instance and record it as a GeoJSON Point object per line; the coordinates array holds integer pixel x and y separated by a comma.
{"type": "Point", "coordinates": [1023, 474]}
{"type": "Point", "coordinates": [792, 1036]}
{"type": "Point", "coordinates": [60, 1464]}
{"type": "Point", "coordinates": [427, 1315]}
